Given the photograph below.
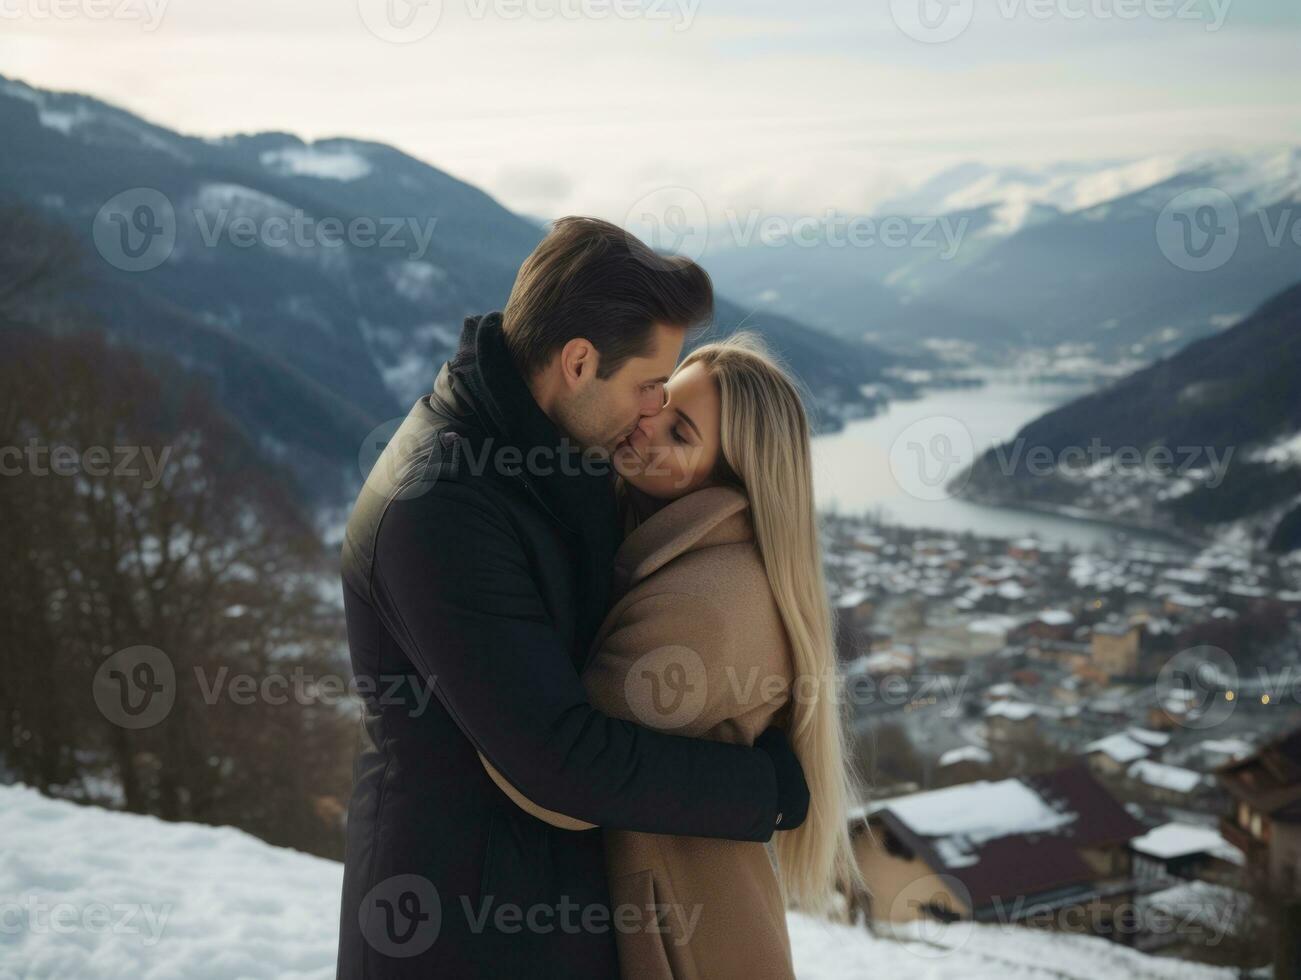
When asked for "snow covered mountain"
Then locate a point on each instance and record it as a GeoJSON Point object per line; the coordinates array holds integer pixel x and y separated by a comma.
{"type": "Point", "coordinates": [1121, 259]}
{"type": "Point", "coordinates": [318, 285]}
{"type": "Point", "coordinates": [90, 894]}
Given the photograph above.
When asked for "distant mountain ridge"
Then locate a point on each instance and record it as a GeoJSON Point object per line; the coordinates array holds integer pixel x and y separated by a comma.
{"type": "Point", "coordinates": [1226, 411]}
{"type": "Point", "coordinates": [1066, 254]}
{"type": "Point", "coordinates": [312, 339]}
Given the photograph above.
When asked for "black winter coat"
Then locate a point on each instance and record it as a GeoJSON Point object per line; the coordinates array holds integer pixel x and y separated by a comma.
{"type": "Point", "coordinates": [473, 588]}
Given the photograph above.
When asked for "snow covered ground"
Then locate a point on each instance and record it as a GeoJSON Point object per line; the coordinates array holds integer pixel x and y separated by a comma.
{"type": "Point", "coordinates": [87, 893]}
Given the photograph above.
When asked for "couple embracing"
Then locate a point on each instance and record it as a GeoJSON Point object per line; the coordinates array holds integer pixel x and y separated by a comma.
{"type": "Point", "coordinates": [605, 565]}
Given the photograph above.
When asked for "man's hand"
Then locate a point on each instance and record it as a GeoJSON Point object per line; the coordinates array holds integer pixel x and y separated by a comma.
{"type": "Point", "coordinates": [792, 790]}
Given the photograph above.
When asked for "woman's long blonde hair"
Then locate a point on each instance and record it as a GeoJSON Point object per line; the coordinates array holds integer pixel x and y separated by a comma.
{"type": "Point", "coordinates": [766, 450]}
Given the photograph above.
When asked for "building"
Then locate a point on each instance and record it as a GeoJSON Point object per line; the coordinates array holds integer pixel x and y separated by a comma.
{"type": "Point", "coordinates": [1171, 785]}
{"type": "Point", "coordinates": [1050, 624]}
{"type": "Point", "coordinates": [1181, 850]}
{"type": "Point", "coordinates": [964, 765]}
{"type": "Point", "coordinates": [1112, 755]}
{"type": "Point", "coordinates": [1114, 648]}
{"type": "Point", "coordinates": [1010, 721]}
{"type": "Point", "coordinates": [1265, 819]}
{"type": "Point", "coordinates": [1049, 850]}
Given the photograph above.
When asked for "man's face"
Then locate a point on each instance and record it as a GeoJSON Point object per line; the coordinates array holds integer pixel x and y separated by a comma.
{"type": "Point", "coordinates": [601, 412]}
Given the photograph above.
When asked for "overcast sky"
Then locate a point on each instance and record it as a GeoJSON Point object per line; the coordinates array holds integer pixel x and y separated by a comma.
{"type": "Point", "coordinates": [583, 106]}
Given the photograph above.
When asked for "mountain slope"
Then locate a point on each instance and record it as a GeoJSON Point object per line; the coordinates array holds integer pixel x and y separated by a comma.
{"type": "Point", "coordinates": [1212, 433]}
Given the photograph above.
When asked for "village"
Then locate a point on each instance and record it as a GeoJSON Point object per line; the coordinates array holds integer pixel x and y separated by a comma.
{"type": "Point", "coordinates": [1104, 741]}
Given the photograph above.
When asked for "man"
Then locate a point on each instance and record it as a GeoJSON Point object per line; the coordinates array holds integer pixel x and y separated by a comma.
{"type": "Point", "coordinates": [476, 565]}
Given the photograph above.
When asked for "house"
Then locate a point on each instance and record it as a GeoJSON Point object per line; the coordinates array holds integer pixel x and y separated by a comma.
{"type": "Point", "coordinates": [1181, 850]}
{"type": "Point", "coordinates": [1214, 753]}
{"type": "Point", "coordinates": [1114, 648]}
{"type": "Point", "coordinates": [964, 765]}
{"type": "Point", "coordinates": [1153, 740]}
{"type": "Point", "coordinates": [1003, 691]}
{"type": "Point", "coordinates": [1024, 549]}
{"type": "Point", "coordinates": [1035, 850]}
{"type": "Point", "coordinates": [1265, 819]}
{"type": "Point", "coordinates": [1112, 755]}
{"type": "Point", "coordinates": [855, 607]}
{"type": "Point", "coordinates": [1172, 785]}
{"type": "Point", "coordinates": [1051, 624]}
{"type": "Point", "coordinates": [1010, 721]}
{"type": "Point", "coordinates": [1067, 654]}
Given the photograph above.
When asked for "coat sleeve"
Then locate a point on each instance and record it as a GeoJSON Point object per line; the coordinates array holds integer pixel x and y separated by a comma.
{"type": "Point", "coordinates": [671, 662]}
{"type": "Point", "coordinates": [455, 589]}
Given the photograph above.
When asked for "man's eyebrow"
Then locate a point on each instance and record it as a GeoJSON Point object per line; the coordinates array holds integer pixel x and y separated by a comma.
{"type": "Point", "coordinates": [687, 418]}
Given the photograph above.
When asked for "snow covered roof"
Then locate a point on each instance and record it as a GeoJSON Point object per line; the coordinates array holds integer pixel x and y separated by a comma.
{"type": "Point", "coordinates": [963, 817]}
{"type": "Point", "coordinates": [1003, 689]}
{"type": "Point", "coordinates": [881, 662]}
{"type": "Point", "coordinates": [1112, 628]}
{"type": "Point", "coordinates": [1173, 840]}
{"type": "Point", "coordinates": [1012, 836]}
{"type": "Point", "coordinates": [1150, 738]}
{"type": "Point", "coordinates": [1120, 747]}
{"type": "Point", "coordinates": [1011, 590]}
{"type": "Point", "coordinates": [1233, 748]}
{"type": "Point", "coordinates": [1164, 776]}
{"type": "Point", "coordinates": [853, 598]}
{"type": "Point", "coordinates": [993, 625]}
{"type": "Point", "coordinates": [1056, 617]}
{"type": "Point", "coordinates": [1011, 710]}
{"type": "Point", "coordinates": [1190, 576]}
{"type": "Point", "coordinates": [967, 753]}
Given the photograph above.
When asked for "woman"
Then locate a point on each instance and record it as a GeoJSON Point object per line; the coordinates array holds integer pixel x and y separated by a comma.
{"type": "Point", "coordinates": [721, 627]}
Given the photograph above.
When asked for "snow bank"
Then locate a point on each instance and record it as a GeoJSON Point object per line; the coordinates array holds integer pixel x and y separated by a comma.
{"type": "Point", "coordinates": [87, 893]}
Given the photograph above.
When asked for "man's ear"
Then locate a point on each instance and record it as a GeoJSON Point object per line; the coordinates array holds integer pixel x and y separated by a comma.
{"type": "Point", "coordinates": [579, 361]}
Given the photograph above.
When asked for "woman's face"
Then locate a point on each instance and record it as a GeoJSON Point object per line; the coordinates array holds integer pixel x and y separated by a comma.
{"type": "Point", "coordinates": [675, 451]}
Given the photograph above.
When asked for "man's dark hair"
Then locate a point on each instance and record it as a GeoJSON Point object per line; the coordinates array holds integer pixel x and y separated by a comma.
{"type": "Point", "coordinates": [591, 279]}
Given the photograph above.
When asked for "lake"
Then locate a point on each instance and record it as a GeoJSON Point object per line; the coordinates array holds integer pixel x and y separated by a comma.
{"type": "Point", "coordinates": [890, 464]}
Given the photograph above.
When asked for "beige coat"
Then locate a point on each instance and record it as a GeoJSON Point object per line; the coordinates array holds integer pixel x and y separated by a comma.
{"type": "Point", "coordinates": [694, 645]}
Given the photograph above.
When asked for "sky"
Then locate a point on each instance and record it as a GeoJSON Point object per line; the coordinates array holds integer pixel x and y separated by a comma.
{"type": "Point", "coordinates": [588, 106]}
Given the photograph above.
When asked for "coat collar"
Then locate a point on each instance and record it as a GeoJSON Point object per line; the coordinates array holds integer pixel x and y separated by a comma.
{"type": "Point", "coordinates": [701, 519]}
{"type": "Point", "coordinates": [576, 487]}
